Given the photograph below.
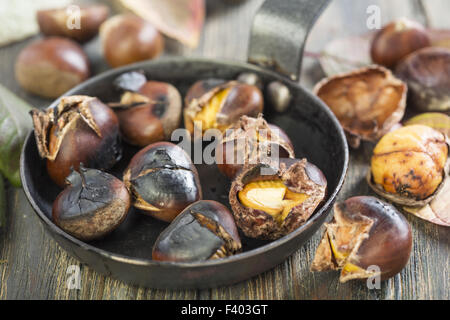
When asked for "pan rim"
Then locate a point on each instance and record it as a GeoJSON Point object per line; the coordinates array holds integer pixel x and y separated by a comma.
{"type": "Point", "coordinates": [200, 264]}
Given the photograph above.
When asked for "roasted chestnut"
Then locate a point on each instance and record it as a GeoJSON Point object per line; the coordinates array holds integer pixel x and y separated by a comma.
{"type": "Point", "coordinates": [251, 140]}
{"type": "Point", "coordinates": [216, 104]}
{"type": "Point", "coordinates": [162, 180]}
{"type": "Point", "coordinates": [150, 113]}
{"type": "Point", "coordinates": [436, 120]}
{"type": "Point", "coordinates": [409, 164]}
{"type": "Point", "coordinates": [396, 40]}
{"type": "Point", "coordinates": [51, 66]}
{"type": "Point", "coordinates": [127, 38]}
{"type": "Point", "coordinates": [204, 230]}
{"type": "Point", "coordinates": [55, 22]}
{"type": "Point", "coordinates": [92, 205]}
{"type": "Point", "coordinates": [427, 74]}
{"type": "Point", "coordinates": [271, 201]}
{"type": "Point", "coordinates": [80, 129]}
{"type": "Point", "coordinates": [368, 102]}
{"type": "Point", "coordinates": [367, 238]}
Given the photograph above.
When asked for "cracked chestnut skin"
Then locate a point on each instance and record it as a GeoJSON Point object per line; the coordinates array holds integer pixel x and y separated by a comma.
{"type": "Point", "coordinates": [93, 204]}
{"type": "Point", "coordinates": [299, 176]}
{"type": "Point", "coordinates": [162, 180]}
{"type": "Point", "coordinates": [242, 141]}
{"type": "Point", "coordinates": [241, 99]}
{"type": "Point", "coordinates": [204, 230]}
{"type": "Point", "coordinates": [80, 129]}
{"type": "Point", "coordinates": [364, 232]}
{"type": "Point", "coordinates": [149, 111]}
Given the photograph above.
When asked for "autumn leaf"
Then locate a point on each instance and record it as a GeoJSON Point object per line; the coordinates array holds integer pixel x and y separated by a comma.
{"type": "Point", "coordinates": [179, 19]}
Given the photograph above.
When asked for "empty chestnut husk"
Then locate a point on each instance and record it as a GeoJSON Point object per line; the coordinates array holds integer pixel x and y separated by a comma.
{"type": "Point", "coordinates": [367, 238]}
{"type": "Point", "coordinates": [127, 38]}
{"type": "Point", "coordinates": [427, 74]}
{"type": "Point", "coordinates": [368, 102]}
{"type": "Point", "coordinates": [80, 129]}
{"type": "Point", "coordinates": [51, 66]}
{"type": "Point", "coordinates": [409, 164]}
{"type": "Point", "coordinates": [162, 180]}
{"type": "Point", "coordinates": [93, 204]}
{"type": "Point", "coordinates": [271, 201]}
{"type": "Point", "coordinates": [56, 22]}
{"type": "Point", "coordinates": [205, 230]}
{"type": "Point", "coordinates": [396, 40]}
{"type": "Point", "coordinates": [251, 140]}
{"type": "Point", "coordinates": [216, 104]}
{"type": "Point", "coordinates": [150, 112]}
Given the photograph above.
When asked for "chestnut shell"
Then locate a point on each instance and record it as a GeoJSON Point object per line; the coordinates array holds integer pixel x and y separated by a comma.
{"type": "Point", "coordinates": [427, 73]}
{"type": "Point", "coordinates": [242, 141]}
{"type": "Point", "coordinates": [372, 233]}
{"type": "Point", "coordinates": [299, 176]}
{"type": "Point", "coordinates": [92, 205]}
{"type": "Point", "coordinates": [204, 230]}
{"type": "Point", "coordinates": [368, 102]}
{"type": "Point", "coordinates": [162, 180]}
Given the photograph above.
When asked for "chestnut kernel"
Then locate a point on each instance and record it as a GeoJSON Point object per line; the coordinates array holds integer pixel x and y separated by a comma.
{"type": "Point", "coordinates": [162, 180]}
{"type": "Point", "coordinates": [127, 38]}
{"type": "Point", "coordinates": [427, 74]}
{"type": "Point", "coordinates": [93, 204]}
{"type": "Point", "coordinates": [408, 165]}
{"type": "Point", "coordinates": [366, 238]}
{"type": "Point", "coordinates": [269, 202]}
{"type": "Point", "coordinates": [214, 104]}
{"type": "Point", "coordinates": [149, 114]}
{"type": "Point", "coordinates": [51, 66]}
{"type": "Point", "coordinates": [204, 230]}
{"type": "Point", "coordinates": [80, 129]}
{"type": "Point", "coordinates": [396, 40]}
{"type": "Point", "coordinates": [368, 102]}
{"type": "Point", "coordinates": [279, 96]}
{"type": "Point", "coordinates": [251, 140]}
{"type": "Point", "coordinates": [54, 22]}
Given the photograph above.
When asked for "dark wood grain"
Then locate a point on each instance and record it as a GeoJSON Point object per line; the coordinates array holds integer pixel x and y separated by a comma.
{"type": "Point", "coordinates": [33, 266]}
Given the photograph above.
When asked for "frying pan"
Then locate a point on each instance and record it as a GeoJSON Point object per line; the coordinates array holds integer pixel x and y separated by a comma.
{"type": "Point", "coordinates": [280, 29]}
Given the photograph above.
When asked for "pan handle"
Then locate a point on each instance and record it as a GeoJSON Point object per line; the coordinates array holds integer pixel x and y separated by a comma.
{"type": "Point", "coordinates": [279, 33]}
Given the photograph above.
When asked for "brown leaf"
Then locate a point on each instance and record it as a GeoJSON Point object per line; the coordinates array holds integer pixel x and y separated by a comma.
{"type": "Point", "coordinates": [438, 210]}
{"type": "Point", "coordinates": [178, 19]}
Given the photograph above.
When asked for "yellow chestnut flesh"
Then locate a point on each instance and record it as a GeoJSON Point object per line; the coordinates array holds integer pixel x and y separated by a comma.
{"type": "Point", "coordinates": [410, 161]}
{"type": "Point", "coordinates": [272, 197]}
{"type": "Point", "coordinates": [208, 115]}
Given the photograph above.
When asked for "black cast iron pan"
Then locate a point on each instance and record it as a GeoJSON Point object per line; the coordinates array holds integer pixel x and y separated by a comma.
{"type": "Point", "coordinates": [279, 32]}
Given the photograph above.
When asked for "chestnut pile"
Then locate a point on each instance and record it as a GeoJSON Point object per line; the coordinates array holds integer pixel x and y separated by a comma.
{"type": "Point", "coordinates": [410, 162]}
{"type": "Point", "coordinates": [272, 193]}
{"type": "Point", "coordinates": [52, 65]}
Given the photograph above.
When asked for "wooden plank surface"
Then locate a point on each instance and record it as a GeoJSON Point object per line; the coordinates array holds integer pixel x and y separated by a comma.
{"type": "Point", "coordinates": [33, 266]}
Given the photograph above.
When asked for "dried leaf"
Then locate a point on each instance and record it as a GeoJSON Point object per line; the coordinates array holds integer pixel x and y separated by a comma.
{"type": "Point", "coordinates": [435, 120]}
{"type": "Point", "coordinates": [343, 55]}
{"type": "Point", "coordinates": [181, 19]}
{"type": "Point", "coordinates": [438, 210]}
{"type": "Point", "coordinates": [18, 18]}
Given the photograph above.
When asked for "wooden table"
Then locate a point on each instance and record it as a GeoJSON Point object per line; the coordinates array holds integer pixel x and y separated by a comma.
{"type": "Point", "coordinates": [33, 266]}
